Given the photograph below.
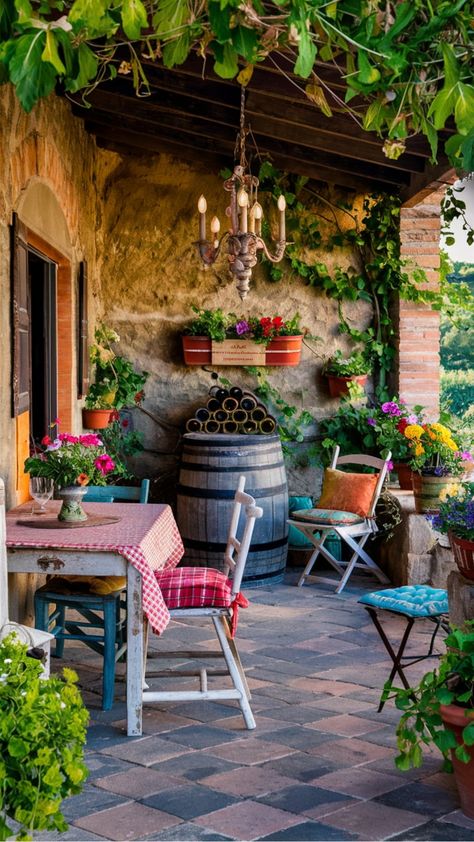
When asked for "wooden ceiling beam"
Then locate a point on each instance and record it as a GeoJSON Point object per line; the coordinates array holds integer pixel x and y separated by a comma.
{"type": "Point", "coordinates": [176, 143]}
{"type": "Point", "coordinates": [191, 124]}
{"type": "Point", "coordinates": [285, 129]}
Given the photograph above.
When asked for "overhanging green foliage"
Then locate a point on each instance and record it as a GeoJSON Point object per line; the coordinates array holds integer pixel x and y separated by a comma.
{"type": "Point", "coordinates": [406, 65]}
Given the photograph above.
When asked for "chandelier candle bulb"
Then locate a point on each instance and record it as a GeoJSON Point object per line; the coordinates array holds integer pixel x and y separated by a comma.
{"type": "Point", "coordinates": [281, 207]}
{"type": "Point", "coordinates": [215, 228]}
{"type": "Point", "coordinates": [257, 215]}
{"type": "Point", "coordinates": [202, 208]}
{"type": "Point", "coordinates": [243, 202]}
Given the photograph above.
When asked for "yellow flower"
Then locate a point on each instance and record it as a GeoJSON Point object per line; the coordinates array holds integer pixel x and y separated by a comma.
{"type": "Point", "coordinates": [440, 428]}
{"type": "Point", "coordinates": [413, 431]}
{"type": "Point", "coordinates": [419, 449]}
{"type": "Point", "coordinates": [451, 444]}
{"type": "Point", "coordinates": [450, 490]}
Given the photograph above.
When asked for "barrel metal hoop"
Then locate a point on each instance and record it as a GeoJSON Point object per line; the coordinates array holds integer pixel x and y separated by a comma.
{"type": "Point", "coordinates": [236, 469]}
{"type": "Point", "coordinates": [215, 547]}
{"type": "Point", "coordinates": [229, 494]}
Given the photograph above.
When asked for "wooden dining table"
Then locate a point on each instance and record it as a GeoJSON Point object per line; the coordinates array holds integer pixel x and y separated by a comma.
{"type": "Point", "coordinates": [140, 540]}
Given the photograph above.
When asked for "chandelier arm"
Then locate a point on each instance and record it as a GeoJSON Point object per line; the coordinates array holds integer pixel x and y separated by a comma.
{"type": "Point", "coordinates": [280, 250]}
{"type": "Point", "coordinates": [208, 252]}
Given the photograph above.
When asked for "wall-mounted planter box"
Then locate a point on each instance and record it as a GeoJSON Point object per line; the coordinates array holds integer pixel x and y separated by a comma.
{"type": "Point", "coordinates": [338, 385]}
{"type": "Point", "coordinates": [200, 350]}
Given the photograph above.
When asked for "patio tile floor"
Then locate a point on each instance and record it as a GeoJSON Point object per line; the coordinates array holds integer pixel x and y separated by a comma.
{"type": "Point", "coordinates": [319, 766]}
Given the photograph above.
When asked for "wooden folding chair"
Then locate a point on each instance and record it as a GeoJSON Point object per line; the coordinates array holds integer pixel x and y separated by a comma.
{"type": "Point", "coordinates": [354, 530]}
{"type": "Point", "coordinates": [192, 593]}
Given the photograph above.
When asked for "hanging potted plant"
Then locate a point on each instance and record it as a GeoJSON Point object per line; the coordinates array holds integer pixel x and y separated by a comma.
{"type": "Point", "coordinates": [435, 460]}
{"type": "Point", "coordinates": [41, 742]}
{"type": "Point", "coordinates": [340, 371]}
{"type": "Point", "coordinates": [224, 339]}
{"type": "Point", "coordinates": [439, 711]}
{"type": "Point", "coordinates": [456, 519]}
{"type": "Point", "coordinates": [116, 383]}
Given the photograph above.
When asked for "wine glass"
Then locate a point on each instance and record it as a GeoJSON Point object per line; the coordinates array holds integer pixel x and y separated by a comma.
{"type": "Point", "coordinates": [41, 489]}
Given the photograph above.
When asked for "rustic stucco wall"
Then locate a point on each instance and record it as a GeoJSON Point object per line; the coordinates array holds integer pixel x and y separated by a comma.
{"type": "Point", "coordinates": [151, 275]}
{"type": "Point", "coordinates": [51, 173]}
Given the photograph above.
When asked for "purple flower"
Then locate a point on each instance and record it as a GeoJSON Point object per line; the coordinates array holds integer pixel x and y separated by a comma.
{"type": "Point", "coordinates": [371, 422]}
{"type": "Point", "coordinates": [466, 456]}
{"type": "Point", "coordinates": [242, 327]}
{"type": "Point", "coordinates": [389, 465]}
{"type": "Point", "coordinates": [56, 444]}
{"type": "Point", "coordinates": [391, 408]}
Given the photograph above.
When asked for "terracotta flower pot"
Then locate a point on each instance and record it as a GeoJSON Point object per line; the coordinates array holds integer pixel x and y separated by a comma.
{"type": "Point", "coordinates": [455, 719]}
{"type": "Point", "coordinates": [463, 551]}
{"type": "Point", "coordinates": [338, 385]}
{"type": "Point", "coordinates": [404, 474]}
{"type": "Point", "coordinates": [96, 419]}
{"type": "Point", "coordinates": [281, 351]}
{"type": "Point", "coordinates": [427, 489]}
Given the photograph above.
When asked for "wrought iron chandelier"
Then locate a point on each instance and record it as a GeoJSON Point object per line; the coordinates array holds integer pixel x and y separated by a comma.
{"type": "Point", "coordinates": [245, 214]}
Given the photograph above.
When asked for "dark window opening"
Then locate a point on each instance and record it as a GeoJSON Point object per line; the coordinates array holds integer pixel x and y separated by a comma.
{"type": "Point", "coordinates": [43, 386]}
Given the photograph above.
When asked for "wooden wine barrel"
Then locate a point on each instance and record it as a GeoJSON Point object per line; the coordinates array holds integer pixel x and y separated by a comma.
{"type": "Point", "coordinates": [208, 477]}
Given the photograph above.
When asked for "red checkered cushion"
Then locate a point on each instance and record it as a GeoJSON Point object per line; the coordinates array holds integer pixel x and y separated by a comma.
{"type": "Point", "coordinates": [194, 587]}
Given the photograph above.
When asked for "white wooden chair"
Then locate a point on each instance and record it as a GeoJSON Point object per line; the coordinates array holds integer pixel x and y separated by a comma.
{"type": "Point", "coordinates": [318, 524]}
{"type": "Point", "coordinates": [192, 593]}
{"type": "Point", "coordinates": [34, 638]}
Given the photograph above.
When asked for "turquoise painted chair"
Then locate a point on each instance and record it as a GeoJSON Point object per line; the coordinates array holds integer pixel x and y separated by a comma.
{"type": "Point", "coordinates": [98, 601]}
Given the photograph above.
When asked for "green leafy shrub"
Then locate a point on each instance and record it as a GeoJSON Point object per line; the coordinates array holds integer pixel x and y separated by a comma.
{"type": "Point", "coordinates": [354, 365]}
{"type": "Point", "coordinates": [452, 682]}
{"type": "Point", "coordinates": [457, 390]}
{"type": "Point", "coordinates": [42, 735]}
{"type": "Point", "coordinates": [116, 382]}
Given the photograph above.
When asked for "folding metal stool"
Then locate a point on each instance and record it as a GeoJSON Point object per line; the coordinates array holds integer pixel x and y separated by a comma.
{"type": "Point", "coordinates": [414, 602]}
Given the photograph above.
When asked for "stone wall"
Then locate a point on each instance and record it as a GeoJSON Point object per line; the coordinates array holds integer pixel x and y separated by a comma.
{"type": "Point", "coordinates": [151, 274]}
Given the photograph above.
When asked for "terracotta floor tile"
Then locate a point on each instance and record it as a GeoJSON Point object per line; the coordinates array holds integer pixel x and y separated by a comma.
{"type": "Point", "coordinates": [341, 704]}
{"type": "Point", "coordinates": [374, 821]}
{"type": "Point", "coordinates": [352, 752]}
{"type": "Point", "coordinates": [130, 821]}
{"type": "Point", "coordinates": [345, 725]}
{"type": "Point", "coordinates": [248, 781]}
{"type": "Point", "coordinates": [321, 685]}
{"type": "Point", "coordinates": [247, 820]}
{"type": "Point", "coordinates": [251, 751]}
{"type": "Point", "coordinates": [139, 783]}
{"type": "Point", "coordinates": [359, 781]}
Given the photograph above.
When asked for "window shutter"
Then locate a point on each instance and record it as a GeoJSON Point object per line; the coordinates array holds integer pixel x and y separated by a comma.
{"type": "Point", "coordinates": [21, 359]}
{"type": "Point", "coordinates": [83, 349]}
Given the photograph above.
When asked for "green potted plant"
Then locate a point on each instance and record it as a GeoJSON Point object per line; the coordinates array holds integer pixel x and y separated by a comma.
{"type": "Point", "coordinates": [455, 518]}
{"type": "Point", "coordinates": [282, 339]}
{"type": "Point", "coordinates": [116, 383]}
{"type": "Point", "coordinates": [42, 735]}
{"type": "Point", "coordinates": [387, 421]}
{"type": "Point", "coordinates": [439, 711]}
{"type": "Point", "coordinates": [341, 370]}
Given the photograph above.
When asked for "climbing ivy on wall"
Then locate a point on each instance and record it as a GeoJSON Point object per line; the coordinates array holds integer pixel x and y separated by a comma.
{"type": "Point", "coordinates": [376, 273]}
{"type": "Point", "coordinates": [398, 68]}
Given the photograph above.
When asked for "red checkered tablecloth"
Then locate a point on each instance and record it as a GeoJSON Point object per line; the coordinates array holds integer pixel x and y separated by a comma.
{"type": "Point", "coordinates": [146, 535]}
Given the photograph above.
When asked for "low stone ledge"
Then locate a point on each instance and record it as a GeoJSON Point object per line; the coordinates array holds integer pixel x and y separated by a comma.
{"type": "Point", "coordinates": [413, 555]}
{"type": "Point", "coordinates": [460, 598]}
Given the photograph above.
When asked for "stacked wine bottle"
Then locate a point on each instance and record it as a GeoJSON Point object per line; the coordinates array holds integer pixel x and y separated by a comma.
{"type": "Point", "coordinates": [231, 411]}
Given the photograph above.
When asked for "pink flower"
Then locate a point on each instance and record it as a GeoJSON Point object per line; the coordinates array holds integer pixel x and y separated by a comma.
{"type": "Point", "coordinates": [46, 440]}
{"type": "Point", "coordinates": [67, 437]}
{"type": "Point", "coordinates": [389, 465]}
{"type": "Point", "coordinates": [90, 440]}
{"type": "Point", "coordinates": [104, 464]}
{"type": "Point", "coordinates": [55, 445]}
{"type": "Point", "coordinates": [412, 419]}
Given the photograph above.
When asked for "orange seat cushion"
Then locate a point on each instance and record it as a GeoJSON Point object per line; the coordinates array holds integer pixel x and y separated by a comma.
{"type": "Point", "coordinates": [348, 492]}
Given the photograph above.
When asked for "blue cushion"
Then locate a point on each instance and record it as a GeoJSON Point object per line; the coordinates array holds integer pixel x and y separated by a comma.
{"type": "Point", "coordinates": [412, 600]}
{"type": "Point", "coordinates": [327, 516]}
{"type": "Point", "coordinates": [295, 537]}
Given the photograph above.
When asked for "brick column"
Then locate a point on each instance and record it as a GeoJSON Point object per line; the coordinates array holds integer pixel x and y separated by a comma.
{"type": "Point", "coordinates": [418, 374]}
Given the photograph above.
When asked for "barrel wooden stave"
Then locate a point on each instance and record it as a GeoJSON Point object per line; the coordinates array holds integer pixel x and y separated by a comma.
{"type": "Point", "coordinates": [209, 474]}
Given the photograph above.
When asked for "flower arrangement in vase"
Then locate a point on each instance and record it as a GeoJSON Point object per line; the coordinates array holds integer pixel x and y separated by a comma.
{"type": "Point", "coordinates": [281, 338]}
{"type": "Point", "coordinates": [73, 462]}
{"type": "Point", "coordinates": [435, 459]}
{"type": "Point", "coordinates": [455, 518]}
